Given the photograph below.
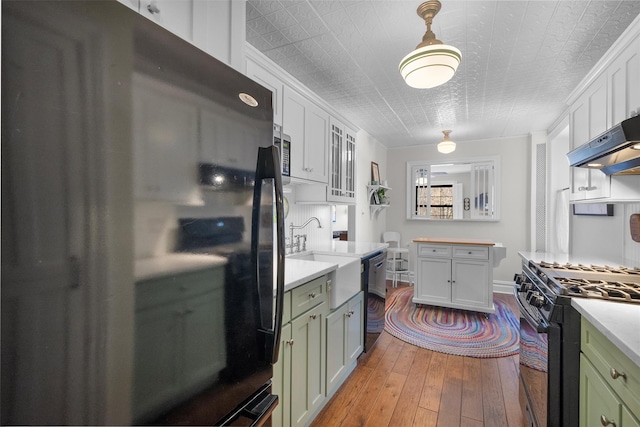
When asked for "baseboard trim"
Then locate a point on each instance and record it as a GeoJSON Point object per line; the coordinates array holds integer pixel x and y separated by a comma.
{"type": "Point", "coordinates": [503, 287]}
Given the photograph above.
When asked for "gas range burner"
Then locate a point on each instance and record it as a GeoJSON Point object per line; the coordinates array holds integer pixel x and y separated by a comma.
{"type": "Point", "coordinates": [603, 289]}
{"type": "Point", "coordinates": [591, 268]}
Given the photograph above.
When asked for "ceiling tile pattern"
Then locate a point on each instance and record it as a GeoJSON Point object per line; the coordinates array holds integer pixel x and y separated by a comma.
{"type": "Point", "coordinates": [520, 60]}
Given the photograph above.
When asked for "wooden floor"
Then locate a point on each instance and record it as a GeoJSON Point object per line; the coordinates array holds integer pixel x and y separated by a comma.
{"type": "Point", "coordinates": [398, 384]}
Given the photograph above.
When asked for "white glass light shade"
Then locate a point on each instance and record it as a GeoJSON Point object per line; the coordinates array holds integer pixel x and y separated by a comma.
{"type": "Point", "coordinates": [430, 66]}
{"type": "Point", "coordinates": [446, 147]}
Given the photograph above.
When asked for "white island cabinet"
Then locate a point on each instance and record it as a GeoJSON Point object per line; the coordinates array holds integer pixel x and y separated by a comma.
{"type": "Point", "coordinates": [456, 273]}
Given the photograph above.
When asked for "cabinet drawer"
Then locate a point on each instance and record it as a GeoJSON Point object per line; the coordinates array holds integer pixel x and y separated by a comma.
{"type": "Point", "coordinates": [308, 296]}
{"type": "Point", "coordinates": [162, 290]}
{"type": "Point", "coordinates": [439, 251]}
{"type": "Point", "coordinates": [471, 252]}
{"type": "Point", "coordinates": [605, 356]}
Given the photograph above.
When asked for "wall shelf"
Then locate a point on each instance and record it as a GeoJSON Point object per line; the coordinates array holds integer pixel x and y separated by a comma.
{"type": "Point", "coordinates": [376, 207]}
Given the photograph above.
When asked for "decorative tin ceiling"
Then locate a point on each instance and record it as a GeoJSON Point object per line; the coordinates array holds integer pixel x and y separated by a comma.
{"type": "Point", "coordinates": [520, 60]}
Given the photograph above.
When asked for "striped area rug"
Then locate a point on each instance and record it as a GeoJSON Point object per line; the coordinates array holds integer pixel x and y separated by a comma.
{"type": "Point", "coordinates": [452, 331]}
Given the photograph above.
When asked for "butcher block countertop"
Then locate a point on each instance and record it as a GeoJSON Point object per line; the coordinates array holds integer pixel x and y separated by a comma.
{"type": "Point", "coordinates": [455, 241]}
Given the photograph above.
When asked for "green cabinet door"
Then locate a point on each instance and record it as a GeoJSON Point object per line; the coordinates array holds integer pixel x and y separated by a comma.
{"type": "Point", "coordinates": [307, 364]}
{"type": "Point", "coordinates": [598, 404]}
{"type": "Point", "coordinates": [282, 380]}
{"type": "Point", "coordinates": [355, 336]}
{"type": "Point", "coordinates": [336, 346]}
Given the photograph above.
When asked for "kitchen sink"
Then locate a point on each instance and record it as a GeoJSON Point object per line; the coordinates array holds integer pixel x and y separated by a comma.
{"type": "Point", "coordinates": [345, 281]}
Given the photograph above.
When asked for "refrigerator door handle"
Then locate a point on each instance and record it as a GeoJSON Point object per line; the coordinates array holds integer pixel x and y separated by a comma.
{"type": "Point", "coordinates": [268, 167]}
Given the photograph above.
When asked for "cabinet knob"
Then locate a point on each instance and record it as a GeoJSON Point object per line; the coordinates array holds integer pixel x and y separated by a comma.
{"type": "Point", "coordinates": [470, 252]}
{"type": "Point", "coordinates": [313, 316]}
{"type": "Point", "coordinates": [607, 422]}
{"type": "Point", "coordinates": [290, 342]}
{"type": "Point", "coordinates": [152, 7]}
{"type": "Point", "coordinates": [615, 374]}
{"type": "Point", "coordinates": [312, 295]}
{"type": "Point", "coordinates": [433, 250]}
{"type": "Point", "coordinates": [349, 314]}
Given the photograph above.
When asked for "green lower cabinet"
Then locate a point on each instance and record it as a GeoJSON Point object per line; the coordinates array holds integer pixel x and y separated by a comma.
{"type": "Point", "coordinates": [307, 364]}
{"type": "Point", "coordinates": [281, 385]}
{"type": "Point", "coordinates": [318, 350]}
{"type": "Point", "coordinates": [597, 401]}
{"type": "Point", "coordinates": [299, 374]}
{"type": "Point", "coordinates": [609, 382]}
{"type": "Point", "coordinates": [344, 340]}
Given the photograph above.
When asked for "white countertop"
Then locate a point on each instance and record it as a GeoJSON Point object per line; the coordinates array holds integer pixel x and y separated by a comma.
{"type": "Point", "coordinates": [346, 247]}
{"type": "Point", "coordinates": [298, 272]}
{"type": "Point", "coordinates": [166, 265]}
{"type": "Point", "coordinates": [618, 321]}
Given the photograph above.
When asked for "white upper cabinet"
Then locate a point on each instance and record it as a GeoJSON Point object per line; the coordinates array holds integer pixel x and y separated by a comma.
{"type": "Point", "coordinates": [216, 27]}
{"type": "Point", "coordinates": [624, 84]}
{"type": "Point", "coordinates": [588, 119]}
{"type": "Point", "coordinates": [174, 15]}
{"type": "Point", "coordinates": [612, 96]}
{"type": "Point", "coordinates": [271, 82]}
{"type": "Point", "coordinates": [308, 127]}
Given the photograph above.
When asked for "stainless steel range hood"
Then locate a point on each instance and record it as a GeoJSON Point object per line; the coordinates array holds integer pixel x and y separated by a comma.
{"type": "Point", "coordinates": [614, 152]}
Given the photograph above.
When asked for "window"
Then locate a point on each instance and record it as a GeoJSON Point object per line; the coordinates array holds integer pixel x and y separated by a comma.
{"type": "Point", "coordinates": [442, 201]}
{"type": "Point", "coordinates": [454, 191]}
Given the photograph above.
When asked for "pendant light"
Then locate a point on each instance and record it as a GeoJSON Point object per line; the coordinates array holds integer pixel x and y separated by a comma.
{"type": "Point", "coordinates": [432, 63]}
{"type": "Point", "coordinates": [446, 146]}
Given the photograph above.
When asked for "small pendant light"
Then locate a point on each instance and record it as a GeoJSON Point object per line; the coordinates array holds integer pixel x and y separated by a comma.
{"type": "Point", "coordinates": [446, 146]}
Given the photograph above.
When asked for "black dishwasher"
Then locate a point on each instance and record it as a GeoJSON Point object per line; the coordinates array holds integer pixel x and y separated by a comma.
{"type": "Point", "coordinates": [374, 285]}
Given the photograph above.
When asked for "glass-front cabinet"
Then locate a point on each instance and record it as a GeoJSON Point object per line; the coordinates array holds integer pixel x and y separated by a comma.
{"type": "Point", "coordinates": [342, 164]}
{"type": "Point", "coordinates": [464, 189]}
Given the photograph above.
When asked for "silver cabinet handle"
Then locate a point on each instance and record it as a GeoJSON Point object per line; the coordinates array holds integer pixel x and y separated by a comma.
{"type": "Point", "coordinates": [290, 342]}
{"type": "Point", "coordinates": [313, 316]}
{"type": "Point", "coordinates": [312, 295]}
{"type": "Point", "coordinates": [615, 374]}
{"type": "Point", "coordinates": [607, 422]}
{"type": "Point", "coordinates": [152, 7]}
{"type": "Point", "coordinates": [349, 314]}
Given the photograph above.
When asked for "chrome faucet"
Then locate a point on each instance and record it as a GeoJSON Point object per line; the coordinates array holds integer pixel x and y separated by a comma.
{"type": "Point", "coordinates": [304, 236]}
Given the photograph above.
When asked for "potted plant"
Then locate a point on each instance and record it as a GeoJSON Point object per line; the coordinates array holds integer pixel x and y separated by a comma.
{"type": "Point", "coordinates": [382, 196]}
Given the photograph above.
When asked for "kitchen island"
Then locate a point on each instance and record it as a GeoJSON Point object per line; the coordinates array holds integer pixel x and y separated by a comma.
{"type": "Point", "coordinates": [456, 272]}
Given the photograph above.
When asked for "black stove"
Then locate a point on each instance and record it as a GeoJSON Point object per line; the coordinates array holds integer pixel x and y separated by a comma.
{"type": "Point", "coordinates": [621, 284]}
{"type": "Point", "coordinates": [550, 332]}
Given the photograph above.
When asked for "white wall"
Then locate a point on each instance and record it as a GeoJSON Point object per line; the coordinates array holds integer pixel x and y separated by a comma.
{"type": "Point", "coordinates": [558, 182]}
{"type": "Point", "coordinates": [606, 237]}
{"type": "Point", "coordinates": [512, 228]}
{"type": "Point", "coordinates": [362, 225]}
{"type": "Point", "coordinates": [300, 213]}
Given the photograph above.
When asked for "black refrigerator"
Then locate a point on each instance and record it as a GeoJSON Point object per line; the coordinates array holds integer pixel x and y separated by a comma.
{"type": "Point", "coordinates": [142, 225]}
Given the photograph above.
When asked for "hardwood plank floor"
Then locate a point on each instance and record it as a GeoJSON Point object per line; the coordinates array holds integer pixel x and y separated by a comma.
{"type": "Point", "coordinates": [397, 384]}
